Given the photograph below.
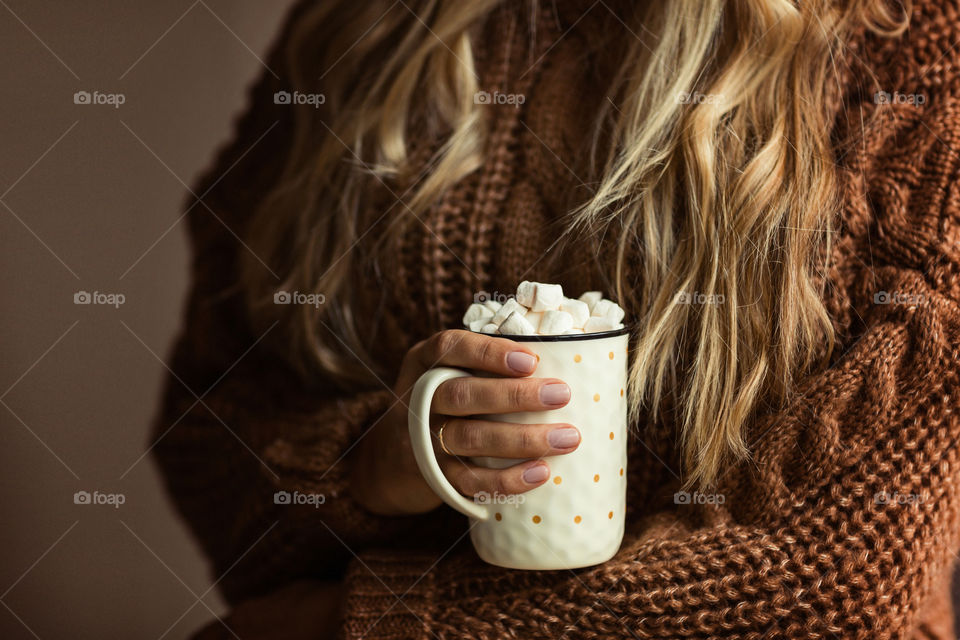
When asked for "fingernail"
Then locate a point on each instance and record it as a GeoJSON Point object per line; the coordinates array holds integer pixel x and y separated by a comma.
{"type": "Point", "coordinates": [536, 474]}
{"type": "Point", "coordinates": [521, 362]}
{"type": "Point", "coordinates": [563, 438]}
{"type": "Point", "coordinates": [555, 393]}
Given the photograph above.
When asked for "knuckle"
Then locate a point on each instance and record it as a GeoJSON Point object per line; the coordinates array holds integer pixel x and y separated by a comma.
{"type": "Point", "coordinates": [486, 353]}
{"type": "Point", "coordinates": [527, 439]}
{"type": "Point", "coordinates": [520, 394]}
{"type": "Point", "coordinates": [458, 392]}
{"type": "Point", "coordinates": [470, 436]}
{"type": "Point", "coordinates": [444, 342]}
{"type": "Point", "coordinates": [501, 483]}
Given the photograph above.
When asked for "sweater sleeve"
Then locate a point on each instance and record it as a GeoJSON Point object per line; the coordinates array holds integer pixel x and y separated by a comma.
{"type": "Point", "coordinates": [255, 460]}
{"type": "Point", "coordinates": [840, 525]}
{"type": "Point", "coordinates": [259, 466]}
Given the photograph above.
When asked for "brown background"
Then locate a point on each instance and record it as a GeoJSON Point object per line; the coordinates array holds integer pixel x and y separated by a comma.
{"type": "Point", "coordinates": [85, 205]}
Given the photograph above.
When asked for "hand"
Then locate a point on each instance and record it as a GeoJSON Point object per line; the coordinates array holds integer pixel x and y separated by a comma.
{"type": "Point", "coordinates": [384, 476]}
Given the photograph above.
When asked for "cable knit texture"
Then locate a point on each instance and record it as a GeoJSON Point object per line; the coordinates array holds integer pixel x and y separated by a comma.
{"type": "Point", "coordinates": [801, 548]}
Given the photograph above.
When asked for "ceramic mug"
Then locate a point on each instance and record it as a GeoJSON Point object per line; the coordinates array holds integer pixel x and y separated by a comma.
{"type": "Point", "coordinates": [576, 518]}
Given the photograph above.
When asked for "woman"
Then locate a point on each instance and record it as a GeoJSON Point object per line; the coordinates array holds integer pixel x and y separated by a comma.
{"type": "Point", "coordinates": [792, 164]}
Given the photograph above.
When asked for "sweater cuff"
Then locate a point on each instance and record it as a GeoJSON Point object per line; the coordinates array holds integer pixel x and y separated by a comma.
{"type": "Point", "coordinates": [389, 597]}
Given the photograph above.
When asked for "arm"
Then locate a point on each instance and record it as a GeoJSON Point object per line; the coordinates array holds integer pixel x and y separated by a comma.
{"type": "Point", "coordinates": [802, 546]}
{"type": "Point", "coordinates": [257, 432]}
{"type": "Point", "coordinates": [236, 426]}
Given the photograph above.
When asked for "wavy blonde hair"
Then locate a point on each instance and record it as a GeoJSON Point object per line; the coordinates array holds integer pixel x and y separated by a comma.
{"type": "Point", "coordinates": [744, 166]}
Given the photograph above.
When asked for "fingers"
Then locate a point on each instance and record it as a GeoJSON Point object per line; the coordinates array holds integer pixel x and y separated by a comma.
{"type": "Point", "coordinates": [470, 479]}
{"type": "Point", "coordinates": [504, 440]}
{"type": "Point", "coordinates": [470, 395]}
{"type": "Point", "coordinates": [469, 350]}
{"type": "Point", "coordinates": [466, 437]}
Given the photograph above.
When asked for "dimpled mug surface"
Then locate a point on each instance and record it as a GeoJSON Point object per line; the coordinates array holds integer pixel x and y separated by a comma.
{"type": "Point", "coordinates": [576, 518]}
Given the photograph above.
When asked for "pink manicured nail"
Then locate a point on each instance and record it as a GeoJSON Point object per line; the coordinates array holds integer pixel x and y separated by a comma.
{"type": "Point", "coordinates": [536, 474]}
{"type": "Point", "coordinates": [521, 362]}
{"type": "Point", "coordinates": [555, 393]}
{"type": "Point", "coordinates": [563, 438]}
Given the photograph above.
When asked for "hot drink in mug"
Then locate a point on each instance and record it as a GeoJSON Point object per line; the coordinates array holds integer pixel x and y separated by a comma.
{"type": "Point", "coordinates": [576, 518]}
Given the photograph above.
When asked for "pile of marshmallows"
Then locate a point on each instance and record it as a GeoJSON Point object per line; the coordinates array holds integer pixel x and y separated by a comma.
{"type": "Point", "coordinates": [542, 309]}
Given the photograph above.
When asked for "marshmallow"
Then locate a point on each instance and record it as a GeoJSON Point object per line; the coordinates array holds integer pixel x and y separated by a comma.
{"type": "Point", "coordinates": [556, 322]}
{"type": "Point", "coordinates": [608, 309]}
{"type": "Point", "coordinates": [540, 308]}
{"type": "Point", "coordinates": [478, 325]}
{"type": "Point", "coordinates": [534, 318]}
{"type": "Point", "coordinates": [577, 309]}
{"type": "Point", "coordinates": [526, 293]}
{"type": "Point", "coordinates": [600, 323]}
{"type": "Point", "coordinates": [505, 310]}
{"type": "Point", "coordinates": [549, 297]}
{"type": "Point", "coordinates": [591, 298]}
{"type": "Point", "coordinates": [476, 312]}
{"type": "Point", "coordinates": [516, 325]}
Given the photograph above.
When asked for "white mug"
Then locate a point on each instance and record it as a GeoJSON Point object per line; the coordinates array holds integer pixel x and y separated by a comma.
{"type": "Point", "coordinates": [576, 518]}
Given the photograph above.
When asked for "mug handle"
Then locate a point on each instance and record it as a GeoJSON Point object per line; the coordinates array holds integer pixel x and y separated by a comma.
{"type": "Point", "coordinates": [420, 440]}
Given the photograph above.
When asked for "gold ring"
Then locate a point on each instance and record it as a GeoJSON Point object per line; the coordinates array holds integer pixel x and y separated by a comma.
{"type": "Point", "coordinates": [440, 438]}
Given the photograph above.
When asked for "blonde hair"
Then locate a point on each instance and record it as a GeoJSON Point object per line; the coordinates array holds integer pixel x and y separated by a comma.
{"type": "Point", "coordinates": [721, 180]}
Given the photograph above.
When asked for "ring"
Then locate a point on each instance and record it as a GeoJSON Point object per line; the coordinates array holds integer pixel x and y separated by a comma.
{"type": "Point", "coordinates": [440, 438]}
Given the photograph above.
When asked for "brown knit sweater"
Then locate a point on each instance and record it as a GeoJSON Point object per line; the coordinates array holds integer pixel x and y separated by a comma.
{"type": "Point", "coordinates": [801, 548]}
